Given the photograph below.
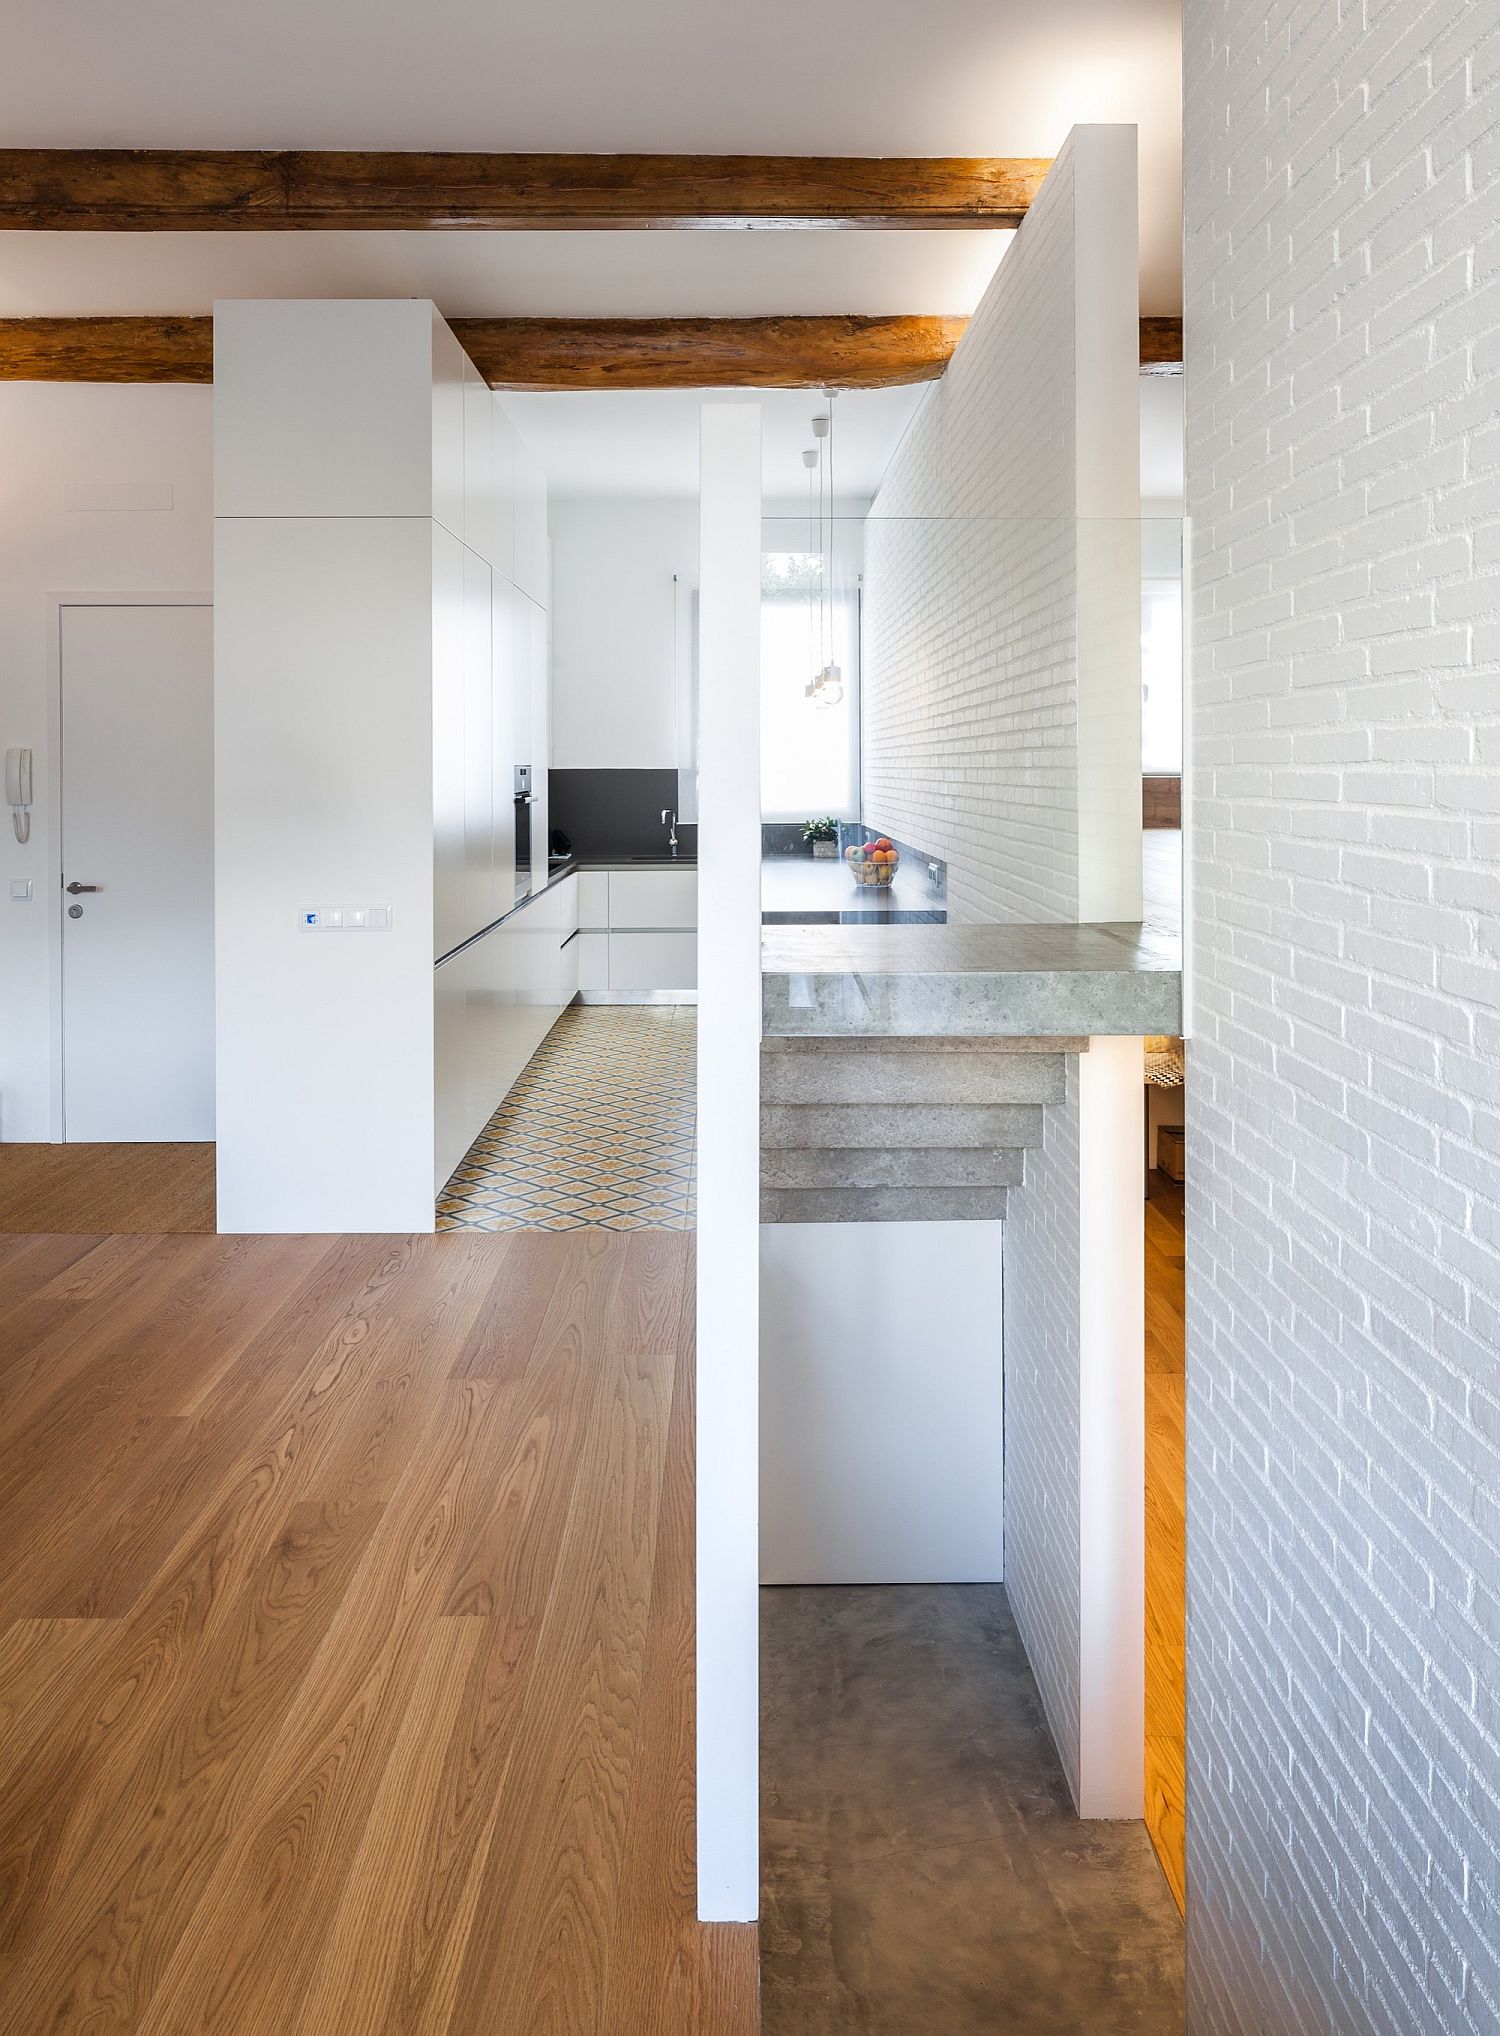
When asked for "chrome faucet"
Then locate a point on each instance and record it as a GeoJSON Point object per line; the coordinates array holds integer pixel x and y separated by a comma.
{"type": "Point", "coordinates": [669, 819]}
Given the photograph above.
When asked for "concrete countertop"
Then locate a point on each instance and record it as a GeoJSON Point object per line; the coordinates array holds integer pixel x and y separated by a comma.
{"type": "Point", "coordinates": [979, 981]}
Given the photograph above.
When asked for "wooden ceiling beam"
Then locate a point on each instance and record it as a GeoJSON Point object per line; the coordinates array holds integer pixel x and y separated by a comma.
{"type": "Point", "coordinates": [205, 191]}
{"type": "Point", "coordinates": [1161, 346]}
{"type": "Point", "coordinates": [560, 353]}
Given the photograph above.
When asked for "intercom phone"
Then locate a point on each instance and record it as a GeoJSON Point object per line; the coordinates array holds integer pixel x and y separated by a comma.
{"type": "Point", "coordinates": [18, 790]}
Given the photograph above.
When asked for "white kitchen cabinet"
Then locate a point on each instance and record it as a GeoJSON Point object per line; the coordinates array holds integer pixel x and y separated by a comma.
{"type": "Point", "coordinates": [641, 899]}
{"type": "Point", "coordinates": [503, 480]}
{"type": "Point", "coordinates": [495, 1002]}
{"type": "Point", "coordinates": [531, 524]}
{"type": "Point", "coordinates": [653, 961]}
{"type": "Point", "coordinates": [337, 407]}
{"type": "Point", "coordinates": [447, 741]}
{"type": "Point", "coordinates": [481, 907]}
{"type": "Point", "coordinates": [479, 464]}
{"type": "Point", "coordinates": [639, 933]}
{"type": "Point", "coordinates": [593, 962]}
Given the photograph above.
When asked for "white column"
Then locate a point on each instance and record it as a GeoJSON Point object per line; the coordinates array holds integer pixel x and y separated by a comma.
{"type": "Point", "coordinates": [728, 1161]}
{"type": "Point", "coordinates": [1112, 1431]}
{"type": "Point", "coordinates": [1107, 485]}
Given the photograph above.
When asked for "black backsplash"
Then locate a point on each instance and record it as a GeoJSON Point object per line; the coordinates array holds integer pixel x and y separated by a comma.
{"type": "Point", "coordinates": [608, 815]}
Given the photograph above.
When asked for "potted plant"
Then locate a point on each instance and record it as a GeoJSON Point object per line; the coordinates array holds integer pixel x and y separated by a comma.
{"type": "Point", "coordinates": [822, 836]}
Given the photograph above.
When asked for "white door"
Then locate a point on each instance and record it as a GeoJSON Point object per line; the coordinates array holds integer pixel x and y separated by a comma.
{"type": "Point", "coordinates": [137, 873]}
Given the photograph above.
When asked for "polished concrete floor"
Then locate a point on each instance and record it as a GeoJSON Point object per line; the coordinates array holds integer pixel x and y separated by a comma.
{"type": "Point", "coordinates": [923, 1871]}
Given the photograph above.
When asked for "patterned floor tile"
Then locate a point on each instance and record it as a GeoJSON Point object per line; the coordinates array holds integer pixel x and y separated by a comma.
{"type": "Point", "coordinates": [597, 1133]}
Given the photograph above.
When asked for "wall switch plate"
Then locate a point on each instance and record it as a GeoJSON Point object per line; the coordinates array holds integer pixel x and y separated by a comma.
{"type": "Point", "coordinates": [338, 918]}
{"type": "Point", "coordinates": [20, 890]}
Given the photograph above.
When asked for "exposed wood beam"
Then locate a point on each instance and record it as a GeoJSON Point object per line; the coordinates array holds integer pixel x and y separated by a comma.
{"type": "Point", "coordinates": [106, 349]}
{"type": "Point", "coordinates": [202, 190]}
{"type": "Point", "coordinates": [708, 353]}
{"type": "Point", "coordinates": [1161, 346]}
{"type": "Point", "coordinates": [559, 353]}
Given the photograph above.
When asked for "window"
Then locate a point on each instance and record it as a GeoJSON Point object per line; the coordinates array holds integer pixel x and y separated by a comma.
{"type": "Point", "coordinates": [1161, 678]}
{"type": "Point", "coordinates": [809, 750]}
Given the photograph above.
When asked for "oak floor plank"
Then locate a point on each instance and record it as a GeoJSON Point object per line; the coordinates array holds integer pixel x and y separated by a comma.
{"type": "Point", "coordinates": [528, 1266]}
{"type": "Point", "coordinates": [56, 1336]}
{"type": "Point", "coordinates": [28, 1264]}
{"type": "Point", "coordinates": [154, 1188]}
{"type": "Point", "coordinates": [1166, 1528]}
{"type": "Point", "coordinates": [507, 1560]}
{"type": "Point", "coordinates": [287, 1867]}
{"type": "Point", "coordinates": [207, 1569]}
{"type": "Point", "coordinates": [248, 1399]}
{"type": "Point", "coordinates": [395, 1945]}
{"type": "Point", "coordinates": [539, 1955]}
{"type": "Point", "coordinates": [381, 1720]}
{"type": "Point", "coordinates": [654, 1986]}
{"type": "Point", "coordinates": [108, 1430]}
{"type": "Point", "coordinates": [161, 1808]}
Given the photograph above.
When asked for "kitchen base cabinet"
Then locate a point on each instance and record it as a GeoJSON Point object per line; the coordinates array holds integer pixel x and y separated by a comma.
{"type": "Point", "coordinates": [653, 961]}
{"type": "Point", "coordinates": [495, 1001]}
{"type": "Point", "coordinates": [640, 935]}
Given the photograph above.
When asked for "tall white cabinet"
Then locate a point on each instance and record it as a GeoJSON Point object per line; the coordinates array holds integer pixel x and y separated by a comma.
{"type": "Point", "coordinates": [380, 671]}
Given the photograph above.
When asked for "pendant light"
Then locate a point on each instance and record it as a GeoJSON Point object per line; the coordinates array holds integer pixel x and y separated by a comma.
{"type": "Point", "coordinates": [826, 687]}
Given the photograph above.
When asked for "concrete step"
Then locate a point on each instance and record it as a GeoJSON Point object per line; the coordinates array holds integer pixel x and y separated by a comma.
{"type": "Point", "coordinates": [883, 1167]}
{"type": "Point", "coordinates": [903, 1126]}
{"type": "Point", "coordinates": [881, 1205]}
{"type": "Point", "coordinates": [936, 1043]}
{"type": "Point", "coordinates": [948, 1079]}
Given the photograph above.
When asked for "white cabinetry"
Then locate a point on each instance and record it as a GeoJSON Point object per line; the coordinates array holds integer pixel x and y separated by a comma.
{"type": "Point", "coordinates": [640, 935]}
{"type": "Point", "coordinates": [495, 1002]}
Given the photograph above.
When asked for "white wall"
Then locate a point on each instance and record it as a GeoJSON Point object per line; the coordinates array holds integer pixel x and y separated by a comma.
{"type": "Point", "coordinates": [1343, 1265]}
{"type": "Point", "coordinates": [1074, 1424]}
{"type": "Point", "coordinates": [613, 701]}
{"type": "Point", "coordinates": [64, 447]}
{"type": "Point", "coordinates": [999, 642]}
{"type": "Point", "coordinates": [881, 1433]}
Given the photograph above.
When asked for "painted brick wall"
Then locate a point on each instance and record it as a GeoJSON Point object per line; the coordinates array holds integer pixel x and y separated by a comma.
{"type": "Point", "coordinates": [970, 699]}
{"type": "Point", "coordinates": [1343, 375]}
{"type": "Point", "coordinates": [1042, 1498]}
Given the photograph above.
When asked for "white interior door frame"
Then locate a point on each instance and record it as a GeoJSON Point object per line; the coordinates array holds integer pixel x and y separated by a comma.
{"type": "Point", "coordinates": [52, 859]}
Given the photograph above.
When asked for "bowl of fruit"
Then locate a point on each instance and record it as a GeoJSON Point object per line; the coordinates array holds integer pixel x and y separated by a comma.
{"type": "Point", "coordinates": [872, 862]}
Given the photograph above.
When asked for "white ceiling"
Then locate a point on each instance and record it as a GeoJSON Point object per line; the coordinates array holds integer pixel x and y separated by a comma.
{"type": "Point", "coordinates": [957, 77]}
{"type": "Point", "coordinates": [645, 441]}
{"type": "Point", "coordinates": [565, 275]}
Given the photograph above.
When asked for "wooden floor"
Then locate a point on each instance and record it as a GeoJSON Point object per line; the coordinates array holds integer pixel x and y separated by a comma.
{"type": "Point", "coordinates": [346, 1639]}
{"type": "Point", "coordinates": [1165, 1528]}
{"type": "Point", "coordinates": [83, 1189]}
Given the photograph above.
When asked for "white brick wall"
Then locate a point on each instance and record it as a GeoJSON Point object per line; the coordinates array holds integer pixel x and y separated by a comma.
{"type": "Point", "coordinates": [1042, 1498]}
{"type": "Point", "coordinates": [971, 722]}
{"type": "Point", "coordinates": [1343, 374]}
{"type": "Point", "coordinates": [970, 703]}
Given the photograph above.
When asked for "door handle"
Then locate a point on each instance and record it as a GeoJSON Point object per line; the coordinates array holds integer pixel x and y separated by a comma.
{"type": "Point", "coordinates": [75, 889]}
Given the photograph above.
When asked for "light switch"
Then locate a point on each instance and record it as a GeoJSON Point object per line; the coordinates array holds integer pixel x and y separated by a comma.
{"type": "Point", "coordinates": [20, 890]}
{"type": "Point", "coordinates": [379, 918]}
{"type": "Point", "coordinates": [330, 915]}
{"type": "Point", "coordinates": [356, 918]}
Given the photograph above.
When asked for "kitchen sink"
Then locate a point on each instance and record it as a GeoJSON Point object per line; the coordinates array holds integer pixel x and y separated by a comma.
{"type": "Point", "coordinates": [668, 862]}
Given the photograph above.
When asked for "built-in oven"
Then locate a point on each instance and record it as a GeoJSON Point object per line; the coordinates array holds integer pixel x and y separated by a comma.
{"type": "Point", "coordinates": [525, 800]}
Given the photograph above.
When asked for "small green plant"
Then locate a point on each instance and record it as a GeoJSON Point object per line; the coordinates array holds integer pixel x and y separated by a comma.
{"type": "Point", "coordinates": [821, 830]}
